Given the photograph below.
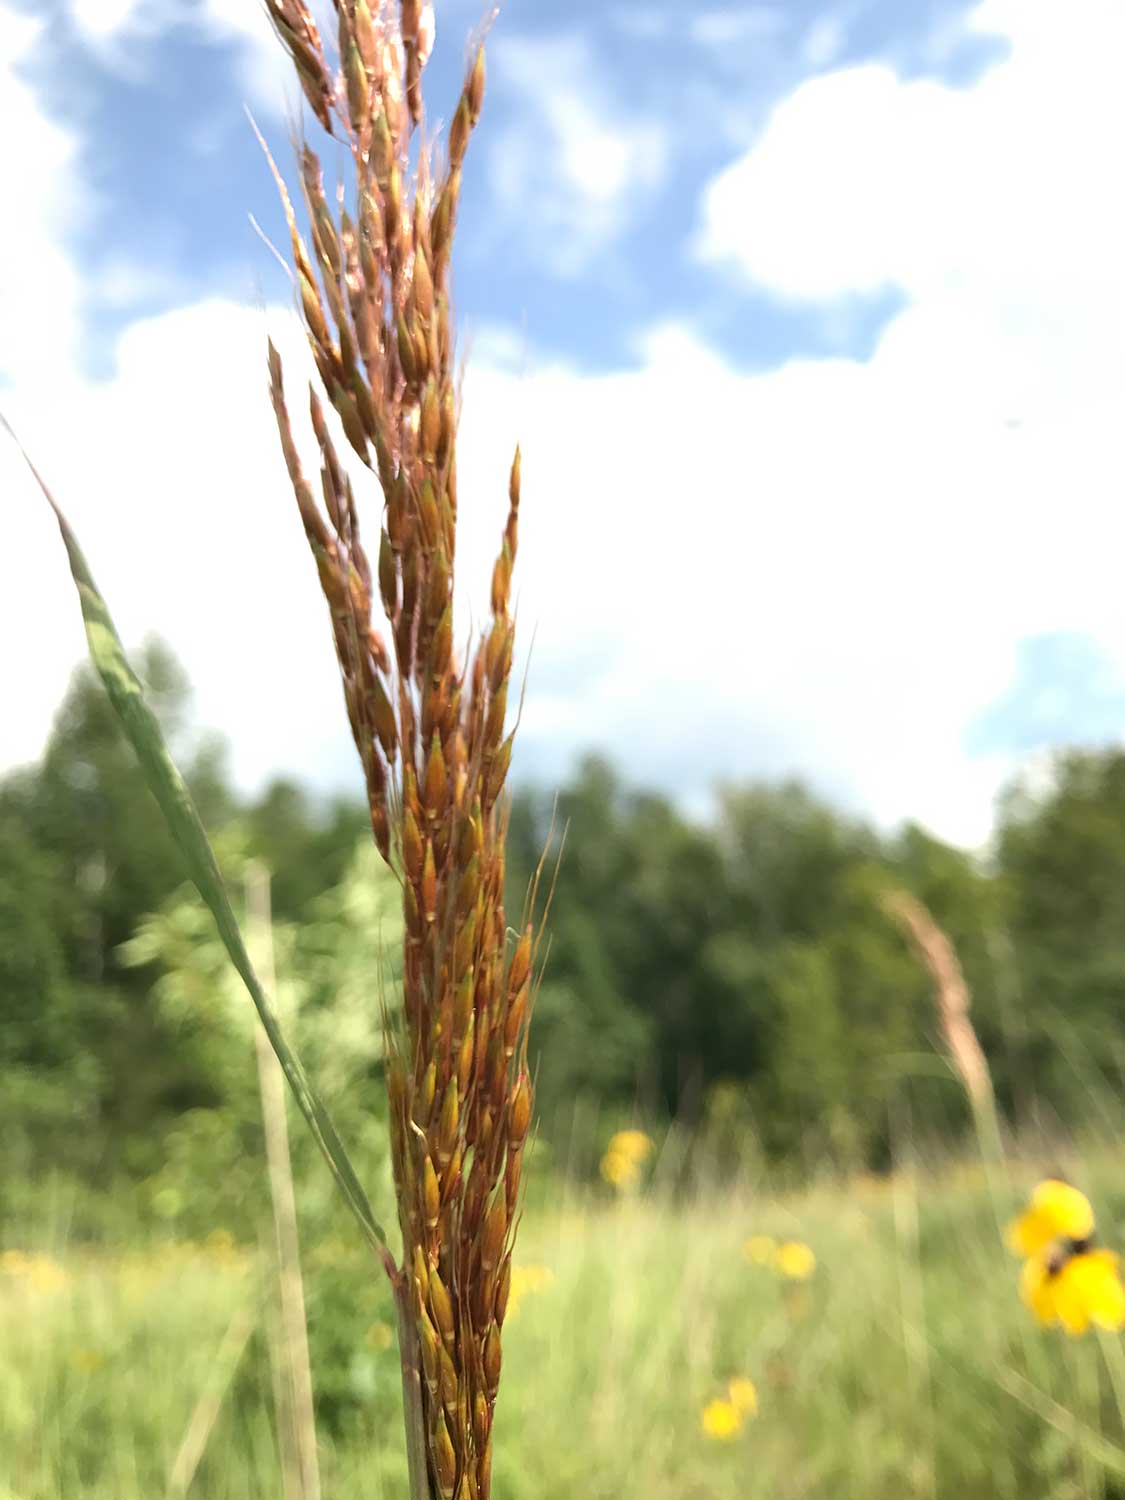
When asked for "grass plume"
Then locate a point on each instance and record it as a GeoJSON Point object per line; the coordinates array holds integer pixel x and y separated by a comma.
{"type": "Point", "coordinates": [373, 277]}
{"type": "Point", "coordinates": [952, 1003]}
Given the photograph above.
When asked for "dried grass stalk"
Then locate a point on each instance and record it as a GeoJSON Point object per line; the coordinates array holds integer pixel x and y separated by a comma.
{"type": "Point", "coordinates": [951, 997]}
{"type": "Point", "coordinates": [293, 1390]}
{"type": "Point", "coordinates": [374, 286]}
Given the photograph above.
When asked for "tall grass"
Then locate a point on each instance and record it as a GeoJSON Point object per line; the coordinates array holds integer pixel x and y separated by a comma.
{"type": "Point", "coordinates": [900, 1366]}
{"type": "Point", "coordinates": [373, 282]}
{"type": "Point", "coordinates": [372, 277]}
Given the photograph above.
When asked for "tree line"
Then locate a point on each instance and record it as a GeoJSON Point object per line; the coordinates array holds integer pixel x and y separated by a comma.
{"type": "Point", "coordinates": [735, 973]}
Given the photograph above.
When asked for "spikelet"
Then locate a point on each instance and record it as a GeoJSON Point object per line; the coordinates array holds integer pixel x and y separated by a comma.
{"type": "Point", "coordinates": [373, 280]}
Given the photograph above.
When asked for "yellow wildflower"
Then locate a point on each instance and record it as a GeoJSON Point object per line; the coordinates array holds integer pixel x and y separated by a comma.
{"type": "Point", "coordinates": [618, 1170]}
{"type": "Point", "coordinates": [743, 1395]}
{"type": "Point", "coordinates": [1057, 1212]}
{"type": "Point", "coordinates": [795, 1260]}
{"type": "Point", "coordinates": [1075, 1290]}
{"type": "Point", "coordinates": [39, 1272]}
{"type": "Point", "coordinates": [759, 1249]}
{"type": "Point", "coordinates": [721, 1419]}
{"type": "Point", "coordinates": [527, 1279]}
{"type": "Point", "coordinates": [1035, 1290]}
{"type": "Point", "coordinates": [633, 1145]}
{"type": "Point", "coordinates": [624, 1156]}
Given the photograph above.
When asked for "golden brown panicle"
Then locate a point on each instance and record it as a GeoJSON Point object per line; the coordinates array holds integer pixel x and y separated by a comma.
{"type": "Point", "coordinates": [373, 277]}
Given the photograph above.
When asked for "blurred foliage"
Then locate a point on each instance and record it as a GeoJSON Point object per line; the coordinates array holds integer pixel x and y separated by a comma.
{"type": "Point", "coordinates": [902, 1365]}
{"type": "Point", "coordinates": [334, 973]}
{"type": "Point", "coordinates": [734, 977]}
{"type": "Point", "coordinates": [695, 965]}
{"type": "Point", "coordinates": [101, 1072]}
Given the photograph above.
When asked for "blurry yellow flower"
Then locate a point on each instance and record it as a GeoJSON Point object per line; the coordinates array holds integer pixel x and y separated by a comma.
{"type": "Point", "coordinates": [39, 1272]}
{"type": "Point", "coordinates": [526, 1280]}
{"type": "Point", "coordinates": [47, 1276]}
{"type": "Point", "coordinates": [1035, 1290]}
{"type": "Point", "coordinates": [380, 1336]}
{"type": "Point", "coordinates": [743, 1395]}
{"type": "Point", "coordinates": [619, 1171]}
{"type": "Point", "coordinates": [721, 1419]}
{"type": "Point", "coordinates": [531, 1278]}
{"type": "Point", "coordinates": [633, 1145]}
{"type": "Point", "coordinates": [1075, 1291]}
{"type": "Point", "coordinates": [87, 1360]}
{"type": "Point", "coordinates": [795, 1260]}
{"type": "Point", "coordinates": [624, 1156]}
{"type": "Point", "coordinates": [759, 1249]}
{"type": "Point", "coordinates": [1057, 1212]}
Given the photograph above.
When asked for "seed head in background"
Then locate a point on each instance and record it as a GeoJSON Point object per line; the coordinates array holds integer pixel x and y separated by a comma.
{"type": "Point", "coordinates": [373, 276]}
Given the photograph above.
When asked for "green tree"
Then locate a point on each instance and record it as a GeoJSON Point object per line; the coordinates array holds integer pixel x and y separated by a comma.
{"type": "Point", "coordinates": [101, 857]}
{"type": "Point", "coordinates": [1061, 858]}
{"type": "Point", "coordinates": [306, 845]}
{"type": "Point", "coordinates": [336, 974]}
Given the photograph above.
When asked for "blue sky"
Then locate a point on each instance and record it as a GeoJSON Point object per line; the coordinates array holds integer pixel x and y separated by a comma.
{"type": "Point", "coordinates": [808, 317]}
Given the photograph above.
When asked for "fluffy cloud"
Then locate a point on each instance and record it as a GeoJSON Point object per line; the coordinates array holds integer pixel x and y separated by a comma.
{"type": "Point", "coordinates": [983, 436]}
{"type": "Point", "coordinates": [170, 475]}
{"type": "Point", "coordinates": [577, 167]}
{"type": "Point", "coordinates": [752, 571]}
{"type": "Point", "coordinates": [723, 574]}
{"type": "Point", "coordinates": [98, 19]}
{"type": "Point", "coordinates": [825, 568]}
{"type": "Point", "coordinates": [38, 284]}
{"type": "Point", "coordinates": [990, 207]}
{"type": "Point", "coordinates": [733, 27]}
{"type": "Point", "coordinates": [113, 28]}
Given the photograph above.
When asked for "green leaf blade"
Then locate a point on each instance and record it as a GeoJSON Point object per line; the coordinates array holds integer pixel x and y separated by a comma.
{"type": "Point", "coordinates": [171, 792]}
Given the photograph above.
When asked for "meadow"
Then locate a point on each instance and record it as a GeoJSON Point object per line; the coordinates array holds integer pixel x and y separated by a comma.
{"type": "Point", "coordinates": [678, 1319]}
{"type": "Point", "coordinates": [894, 1360]}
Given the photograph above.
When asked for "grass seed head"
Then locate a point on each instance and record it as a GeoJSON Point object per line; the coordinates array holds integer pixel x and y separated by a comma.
{"type": "Point", "coordinates": [373, 284]}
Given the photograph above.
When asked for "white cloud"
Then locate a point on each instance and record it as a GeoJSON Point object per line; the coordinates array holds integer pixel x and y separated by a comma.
{"type": "Point", "coordinates": [982, 437]}
{"type": "Point", "coordinates": [863, 180]}
{"type": "Point", "coordinates": [753, 579]}
{"type": "Point", "coordinates": [576, 168]}
{"type": "Point", "coordinates": [103, 18]}
{"type": "Point", "coordinates": [824, 41]}
{"type": "Point", "coordinates": [113, 28]}
{"type": "Point", "coordinates": [759, 571]}
{"type": "Point", "coordinates": [169, 471]}
{"type": "Point", "coordinates": [825, 568]}
{"type": "Point", "coordinates": [38, 283]}
{"type": "Point", "coordinates": [267, 73]}
{"type": "Point", "coordinates": [736, 26]}
{"type": "Point", "coordinates": [170, 475]}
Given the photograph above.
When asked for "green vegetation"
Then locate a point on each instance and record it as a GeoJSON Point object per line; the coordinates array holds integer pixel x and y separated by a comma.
{"type": "Point", "coordinates": [734, 987]}
{"type": "Point", "coordinates": [737, 976]}
{"type": "Point", "coordinates": [904, 1365]}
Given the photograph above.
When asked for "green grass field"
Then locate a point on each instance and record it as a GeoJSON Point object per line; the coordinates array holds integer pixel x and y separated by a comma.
{"type": "Point", "coordinates": [904, 1365]}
